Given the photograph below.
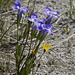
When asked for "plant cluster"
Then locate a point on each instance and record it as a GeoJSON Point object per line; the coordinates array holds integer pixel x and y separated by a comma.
{"type": "Point", "coordinates": [35, 29]}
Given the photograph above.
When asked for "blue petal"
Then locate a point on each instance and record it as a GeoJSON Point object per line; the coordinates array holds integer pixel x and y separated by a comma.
{"type": "Point", "coordinates": [14, 7]}
{"type": "Point", "coordinates": [30, 19]}
{"type": "Point", "coordinates": [55, 16]}
{"type": "Point", "coordinates": [40, 28]}
{"type": "Point", "coordinates": [18, 3]}
{"type": "Point", "coordinates": [56, 12]}
{"type": "Point", "coordinates": [49, 31]}
{"type": "Point", "coordinates": [38, 24]}
{"type": "Point", "coordinates": [43, 20]}
{"type": "Point", "coordinates": [45, 12]}
{"type": "Point", "coordinates": [34, 15]}
{"type": "Point", "coordinates": [48, 25]}
{"type": "Point", "coordinates": [47, 9]}
{"type": "Point", "coordinates": [24, 9]}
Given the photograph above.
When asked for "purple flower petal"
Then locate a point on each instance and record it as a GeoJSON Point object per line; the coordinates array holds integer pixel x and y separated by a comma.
{"type": "Point", "coordinates": [44, 12]}
{"type": "Point", "coordinates": [30, 19]}
{"type": "Point", "coordinates": [56, 12]}
{"type": "Point", "coordinates": [24, 9]}
{"type": "Point", "coordinates": [50, 14]}
{"type": "Point", "coordinates": [39, 24]}
{"type": "Point", "coordinates": [40, 28]}
{"type": "Point", "coordinates": [34, 16]}
{"type": "Point", "coordinates": [43, 20]}
{"type": "Point", "coordinates": [48, 25]}
{"type": "Point", "coordinates": [47, 9]}
{"type": "Point", "coordinates": [14, 7]}
{"type": "Point", "coordinates": [49, 31]}
{"type": "Point", "coordinates": [55, 16]}
{"type": "Point", "coordinates": [18, 3]}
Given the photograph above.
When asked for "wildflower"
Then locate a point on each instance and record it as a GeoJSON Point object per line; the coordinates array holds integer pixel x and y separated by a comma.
{"type": "Point", "coordinates": [45, 28]}
{"type": "Point", "coordinates": [35, 20]}
{"type": "Point", "coordinates": [39, 25]}
{"type": "Point", "coordinates": [46, 47]}
{"type": "Point", "coordinates": [32, 51]}
{"type": "Point", "coordinates": [20, 9]}
{"type": "Point", "coordinates": [50, 14]}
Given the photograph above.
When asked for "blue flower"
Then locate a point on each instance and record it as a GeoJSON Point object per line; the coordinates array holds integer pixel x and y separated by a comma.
{"type": "Point", "coordinates": [35, 19]}
{"type": "Point", "coordinates": [39, 25]}
{"type": "Point", "coordinates": [50, 14]}
{"type": "Point", "coordinates": [45, 28]}
{"type": "Point", "coordinates": [19, 8]}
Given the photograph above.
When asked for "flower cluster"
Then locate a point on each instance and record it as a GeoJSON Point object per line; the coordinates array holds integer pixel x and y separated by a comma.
{"type": "Point", "coordinates": [37, 24]}
{"type": "Point", "coordinates": [39, 30]}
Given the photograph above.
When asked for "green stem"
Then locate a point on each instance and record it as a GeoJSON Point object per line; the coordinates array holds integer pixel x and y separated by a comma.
{"type": "Point", "coordinates": [71, 4]}
{"type": "Point", "coordinates": [29, 23]}
{"type": "Point", "coordinates": [17, 50]}
{"type": "Point", "coordinates": [37, 39]}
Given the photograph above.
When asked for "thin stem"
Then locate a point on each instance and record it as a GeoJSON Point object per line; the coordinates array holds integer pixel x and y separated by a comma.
{"type": "Point", "coordinates": [26, 37]}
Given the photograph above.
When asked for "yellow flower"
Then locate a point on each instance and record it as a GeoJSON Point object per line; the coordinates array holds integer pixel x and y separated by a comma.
{"type": "Point", "coordinates": [46, 47]}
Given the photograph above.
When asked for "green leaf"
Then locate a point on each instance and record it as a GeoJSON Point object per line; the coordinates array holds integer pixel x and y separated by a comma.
{"type": "Point", "coordinates": [71, 4]}
{"type": "Point", "coordinates": [36, 50]}
{"type": "Point", "coordinates": [67, 27]}
{"type": "Point", "coordinates": [25, 33]}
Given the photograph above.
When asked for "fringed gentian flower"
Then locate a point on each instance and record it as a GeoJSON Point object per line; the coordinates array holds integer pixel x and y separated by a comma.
{"type": "Point", "coordinates": [20, 9]}
{"type": "Point", "coordinates": [39, 25]}
{"type": "Point", "coordinates": [35, 20]}
{"type": "Point", "coordinates": [50, 14]}
{"type": "Point", "coordinates": [45, 28]}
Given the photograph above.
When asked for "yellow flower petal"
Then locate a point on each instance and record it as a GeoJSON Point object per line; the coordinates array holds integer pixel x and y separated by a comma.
{"type": "Point", "coordinates": [46, 47]}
